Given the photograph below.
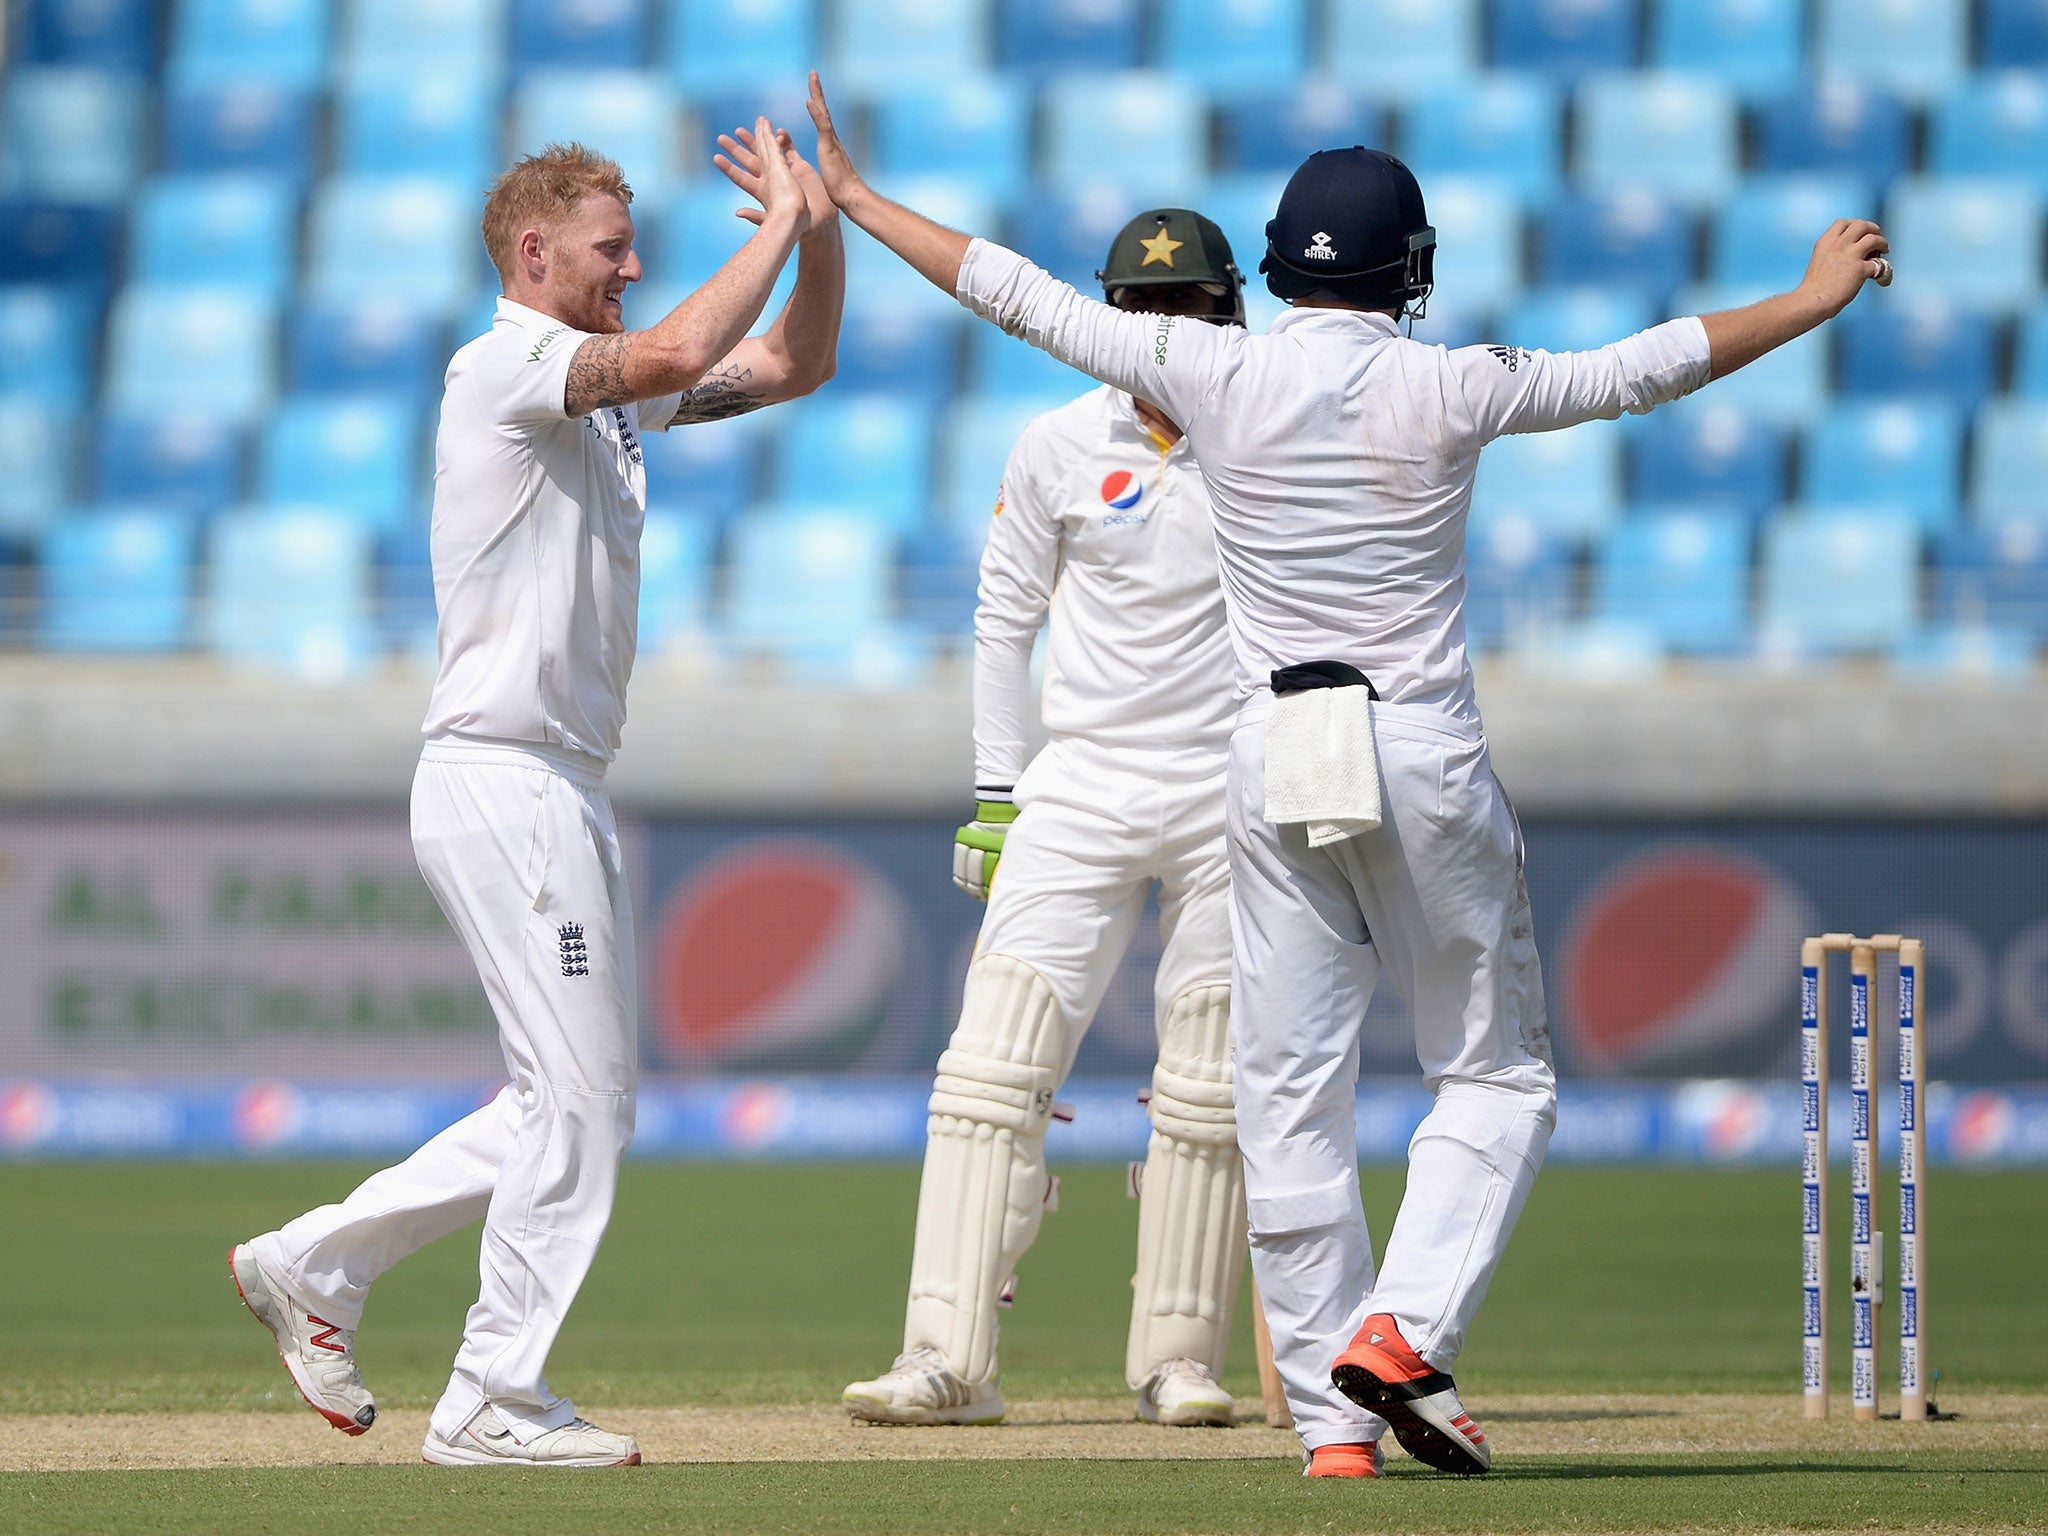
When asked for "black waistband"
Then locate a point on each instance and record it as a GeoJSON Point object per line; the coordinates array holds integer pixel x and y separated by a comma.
{"type": "Point", "coordinates": [1304, 675]}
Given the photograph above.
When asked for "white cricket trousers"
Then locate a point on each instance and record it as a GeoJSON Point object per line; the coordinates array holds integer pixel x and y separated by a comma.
{"type": "Point", "coordinates": [523, 855]}
{"type": "Point", "coordinates": [1434, 896]}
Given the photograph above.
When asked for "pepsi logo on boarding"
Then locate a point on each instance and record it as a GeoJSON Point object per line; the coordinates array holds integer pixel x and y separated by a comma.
{"type": "Point", "coordinates": [1684, 959]}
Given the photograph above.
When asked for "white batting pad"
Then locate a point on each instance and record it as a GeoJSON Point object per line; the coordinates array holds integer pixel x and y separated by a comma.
{"type": "Point", "coordinates": [985, 1185]}
{"type": "Point", "coordinates": [1191, 1218]}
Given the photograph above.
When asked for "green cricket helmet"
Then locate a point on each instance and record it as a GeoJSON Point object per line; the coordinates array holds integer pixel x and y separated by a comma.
{"type": "Point", "coordinates": [1174, 247]}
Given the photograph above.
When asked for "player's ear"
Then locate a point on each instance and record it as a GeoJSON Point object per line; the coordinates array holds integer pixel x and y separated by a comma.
{"type": "Point", "coordinates": [533, 253]}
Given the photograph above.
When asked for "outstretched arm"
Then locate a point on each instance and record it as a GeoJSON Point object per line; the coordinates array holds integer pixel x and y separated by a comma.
{"type": "Point", "coordinates": [1844, 258]}
{"type": "Point", "coordinates": [934, 250]}
{"type": "Point", "coordinates": [693, 337]}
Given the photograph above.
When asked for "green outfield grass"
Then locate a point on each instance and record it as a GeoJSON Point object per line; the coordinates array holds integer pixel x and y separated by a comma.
{"type": "Point", "coordinates": [768, 1285]}
{"type": "Point", "coordinates": [765, 1284]}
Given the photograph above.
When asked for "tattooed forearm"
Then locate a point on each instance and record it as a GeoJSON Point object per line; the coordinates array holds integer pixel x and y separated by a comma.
{"type": "Point", "coordinates": [719, 394]}
{"type": "Point", "coordinates": [597, 376]}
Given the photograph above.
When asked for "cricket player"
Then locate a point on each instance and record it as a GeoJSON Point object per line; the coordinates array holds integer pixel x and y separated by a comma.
{"type": "Point", "coordinates": [539, 494]}
{"type": "Point", "coordinates": [1103, 523]}
{"type": "Point", "coordinates": [1367, 830]}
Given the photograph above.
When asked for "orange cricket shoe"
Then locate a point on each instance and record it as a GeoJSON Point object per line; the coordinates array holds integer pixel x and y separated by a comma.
{"type": "Point", "coordinates": [1345, 1461]}
{"type": "Point", "coordinates": [1420, 1403]}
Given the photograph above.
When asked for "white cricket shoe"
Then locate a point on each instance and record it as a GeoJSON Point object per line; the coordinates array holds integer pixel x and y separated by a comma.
{"type": "Point", "coordinates": [1183, 1392]}
{"type": "Point", "coordinates": [320, 1356]}
{"type": "Point", "coordinates": [488, 1441]}
{"type": "Point", "coordinates": [920, 1388]}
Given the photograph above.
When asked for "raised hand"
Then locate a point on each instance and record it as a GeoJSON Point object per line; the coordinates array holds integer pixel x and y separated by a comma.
{"type": "Point", "coordinates": [835, 166]}
{"type": "Point", "coordinates": [1844, 258]}
{"type": "Point", "coordinates": [742, 166]}
{"type": "Point", "coordinates": [766, 175]}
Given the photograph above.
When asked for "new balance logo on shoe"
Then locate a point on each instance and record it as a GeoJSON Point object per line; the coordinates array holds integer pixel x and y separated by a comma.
{"type": "Point", "coordinates": [575, 954]}
{"type": "Point", "coordinates": [325, 1339]}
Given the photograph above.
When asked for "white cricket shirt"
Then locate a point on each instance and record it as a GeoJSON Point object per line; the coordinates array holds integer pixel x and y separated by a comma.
{"type": "Point", "coordinates": [536, 544]}
{"type": "Point", "coordinates": [1339, 457]}
{"type": "Point", "coordinates": [1098, 527]}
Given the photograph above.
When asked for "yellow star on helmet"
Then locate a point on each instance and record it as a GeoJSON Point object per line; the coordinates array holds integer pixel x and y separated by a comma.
{"type": "Point", "coordinates": [1160, 247]}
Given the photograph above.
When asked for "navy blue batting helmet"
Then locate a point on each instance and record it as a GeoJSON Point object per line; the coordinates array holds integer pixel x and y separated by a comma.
{"type": "Point", "coordinates": [1351, 227]}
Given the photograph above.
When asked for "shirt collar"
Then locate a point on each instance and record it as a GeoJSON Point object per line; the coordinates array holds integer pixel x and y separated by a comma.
{"type": "Point", "coordinates": [527, 319]}
{"type": "Point", "coordinates": [1362, 321]}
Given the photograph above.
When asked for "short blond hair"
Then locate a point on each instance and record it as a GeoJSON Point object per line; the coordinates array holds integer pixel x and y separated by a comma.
{"type": "Point", "coordinates": [543, 190]}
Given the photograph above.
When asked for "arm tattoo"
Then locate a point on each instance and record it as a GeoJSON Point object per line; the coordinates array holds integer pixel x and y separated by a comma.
{"type": "Point", "coordinates": [719, 394]}
{"type": "Point", "coordinates": [597, 376]}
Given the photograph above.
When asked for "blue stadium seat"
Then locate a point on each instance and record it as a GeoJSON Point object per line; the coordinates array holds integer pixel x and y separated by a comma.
{"type": "Point", "coordinates": [1788, 386]}
{"type": "Point", "coordinates": [1918, 345]}
{"type": "Point", "coordinates": [1918, 48]}
{"type": "Point", "coordinates": [1575, 319]}
{"type": "Point", "coordinates": [1994, 574]}
{"type": "Point", "coordinates": [1678, 133]}
{"type": "Point", "coordinates": [187, 459]}
{"type": "Point", "coordinates": [809, 583]}
{"type": "Point", "coordinates": [1763, 234]}
{"type": "Point", "coordinates": [117, 580]}
{"type": "Point", "coordinates": [1993, 125]}
{"type": "Point", "coordinates": [1232, 47]}
{"type": "Point", "coordinates": [1506, 126]}
{"type": "Point", "coordinates": [1838, 580]}
{"type": "Point", "coordinates": [1158, 124]}
{"type": "Point", "coordinates": [1711, 454]}
{"type": "Point", "coordinates": [1275, 130]}
{"type": "Point", "coordinates": [879, 44]}
{"type": "Point", "coordinates": [2014, 34]}
{"type": "Point", "coordinates": [1632, 237]}
{"type": "Point", "coordinates": [1517, 582]}
{"type": "Point", "coordinates": [940, 573]}
{"type": "Point", "coordinates": [579, 34]}
{"type": "Point", "coordinates": [1565, 38]}
{"type": "Point", "coordinates": [95, 34]}
{"type": "Point", "coordinates": [897, 349]}
{"type": "Point", "coordinates": [675, 579]}
{"type": "Point", "coordinates": [283, 43]}
{"type": "Point", "coordinates": [46, 345]}
{"type": "Point", "coordinates": [2009, 462]}
{"type": "Point", "coordinates": [345, 346]}
{"type": "Point", "coordinates": [1902, 457]}
{"type": "Point", "coordinates": [36, 446]}
{"type": "Point", "coordinates": [396, 39]}
{"type": "Point", "coordinates": [1044, 38]}
{"type": "Point", "coordinates": [1836, 128]}
{"type": "Point", "coordinates": [1939, 653]}
{"type": "Point", "coordinates": [247, 127]}
{"type": "Point", "coordinates": [216, 231]}
{"type": "Point", "coordinates": [1567, 483]}
{"type": "Point", "coordinates": [407, 618]}
{"type": "Point", "coordinates": [1479, 241]}
{"type": "Point", "coordinates": [1757, 46]}
{"type": "Point", "coordinates": [979, 434]}
{"type": "Point", "coordinates": [1394, 49]}
{"type": "Point", "coordinates": [2030, 355]}
{"type": "Point", "coordinates": [870, 454]}
{"type": "Point", "coordinates": [180, 348]}
{"type": "Point", "coordinates": [978, 127]}
{"type": "Point", "coordinates": [1004, 367]}
{"type": "Point", "coordinates": [1449, 325]}
{"type": "Point", "coordinates": [1241, 205]}
{"type": "Point", "coordinates": [290, 587]}
{"type": "Point", "coordinates": [400, 237]}
{"type": "Point", "coordinates": [714, 45]}
{"type": "Point", "coordinates": [780, 101]}
{"type": "Point", "coordinates": [630, 115]}
{"type": "Point", "coordinates": [694, 236]}
{"type": "Point", "coordinates": [72, 246]}
{"type": "Point", "coordinates": [706, 470]}
{"type": "Point", "coordinates": [443, 125]}
{"type": "Point", "coordinates": [75, 134]}
{"type": "Point", "coordinates": [356, 454]}
{"type": "Point", "coordinates": [1068, 230]}
{"type": "Point", "coordinates": [1977, 242]}
{"type": "Point", "coordinates": [1681, 573]}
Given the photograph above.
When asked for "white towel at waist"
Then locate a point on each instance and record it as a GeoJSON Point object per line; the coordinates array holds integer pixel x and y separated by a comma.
{"type": "Point", "coordinates": [1321, 769]}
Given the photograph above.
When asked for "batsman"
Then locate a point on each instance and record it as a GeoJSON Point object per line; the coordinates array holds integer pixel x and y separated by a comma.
{"type": "Point", "coordinates": [1102, 533]}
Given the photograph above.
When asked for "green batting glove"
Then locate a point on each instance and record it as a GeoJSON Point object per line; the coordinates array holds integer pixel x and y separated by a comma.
{"type": "Point", "coordinates": [978, 845]}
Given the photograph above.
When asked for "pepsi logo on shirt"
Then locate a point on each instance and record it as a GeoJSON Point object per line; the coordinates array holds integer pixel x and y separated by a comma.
{"type": "Point", "coordinates": [1122, 490]}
